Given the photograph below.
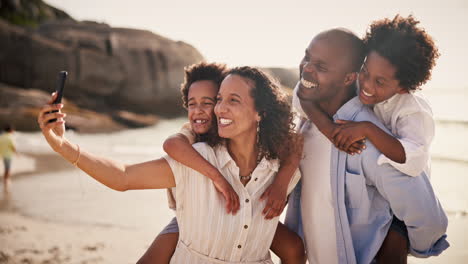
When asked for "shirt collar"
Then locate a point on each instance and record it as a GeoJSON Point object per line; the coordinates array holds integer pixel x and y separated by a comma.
{"type": "Point", "coordinates": [224, 159]}
{"type": "Point", "coordinates": [222, 155]}
{"type": "Point", "coordinates": [349, 110]}
{"type": "Point", "coordinates": [389, 102]}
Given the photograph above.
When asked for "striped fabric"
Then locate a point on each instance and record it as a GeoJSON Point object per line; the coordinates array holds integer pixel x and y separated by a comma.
{"type": "Point", "coordinates": [207, 233]}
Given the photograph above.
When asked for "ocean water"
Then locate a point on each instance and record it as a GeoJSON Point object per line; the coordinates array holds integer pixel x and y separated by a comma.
{"type": "Point", "coordinates": [449, 149]}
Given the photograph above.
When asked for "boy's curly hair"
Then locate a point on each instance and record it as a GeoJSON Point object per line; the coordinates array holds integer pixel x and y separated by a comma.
{"type": "Point", "coordinates": [201, 72]}
{"type": "Point", "coordinates": [408, 47]}
{"type": "Point", "coordinates": [277, 137]}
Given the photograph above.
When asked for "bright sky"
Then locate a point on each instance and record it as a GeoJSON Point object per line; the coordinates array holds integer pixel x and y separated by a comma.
{"type": "Point", "coordinates": [275, 33]}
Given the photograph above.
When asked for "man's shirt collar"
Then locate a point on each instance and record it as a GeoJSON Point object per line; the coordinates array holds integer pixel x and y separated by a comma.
{"type": "Point", "coordinates": [349, 110]}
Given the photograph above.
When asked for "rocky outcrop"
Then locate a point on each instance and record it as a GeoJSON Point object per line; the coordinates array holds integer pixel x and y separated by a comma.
{"type": "Point", "coordinates": [20, 108]}
{"type": "Point", "coordinates": [109, 68]}
{"type": "Point", "coordinates": [29, 12]}
{"type": "Point", "coordinates": [128, 76]}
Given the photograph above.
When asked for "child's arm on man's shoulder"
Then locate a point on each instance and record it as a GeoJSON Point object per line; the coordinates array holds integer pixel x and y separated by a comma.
{"type": "Point", "coordinates": [326, 125]}
{"type": "Point", "coordinates": [179, 147]}
{"type": "Point", "coordinates": [350, 131]}
{"type": "Point", "coordinates": [276, 194]}
{"type": "Point", "coordinates": [318, 117]}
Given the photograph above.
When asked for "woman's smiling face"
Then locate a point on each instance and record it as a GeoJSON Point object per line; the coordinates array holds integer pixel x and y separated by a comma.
{"type": "Point", "coordinates": [235, 108]}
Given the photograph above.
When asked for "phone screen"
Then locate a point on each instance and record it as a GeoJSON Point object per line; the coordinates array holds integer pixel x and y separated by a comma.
{"type": "Point", "coordinates": [60, 86]}
{"type": "Point", "coordinates": [59, 89]}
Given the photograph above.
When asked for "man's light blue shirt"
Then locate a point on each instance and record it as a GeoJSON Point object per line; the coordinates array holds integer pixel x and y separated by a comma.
{"type": "Point", "coordinates": [367, 195]}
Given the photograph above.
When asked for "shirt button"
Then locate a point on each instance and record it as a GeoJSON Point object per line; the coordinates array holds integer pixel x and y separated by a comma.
{"type": "Point", "coordinates": [239, 246]}
{"type": "Point", "coordinates": [246, 226]}
{"type": "Point", "coordinates": [256, 179]}
{"type": "Point", "coordinates": [246, 200]}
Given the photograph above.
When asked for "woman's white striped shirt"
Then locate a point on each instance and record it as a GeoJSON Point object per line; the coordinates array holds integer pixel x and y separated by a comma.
{"type": "Point", "coordinates": [207, 233]}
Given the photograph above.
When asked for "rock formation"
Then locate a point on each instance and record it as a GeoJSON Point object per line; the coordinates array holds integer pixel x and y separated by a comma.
{"type": "Point", "coordinates": [21, 107]}
{"type": "Point", "coordinates": [29, 12]}
{"type": "Point", "coordinates": [126, 75]}
{"type": "Point", "coordinates": [109, 68]}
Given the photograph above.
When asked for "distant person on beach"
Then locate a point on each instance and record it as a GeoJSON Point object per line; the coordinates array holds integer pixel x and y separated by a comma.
{"type": "Point", "coordinates": [256, 129]}
{"type": "Point", "coordinates": [355, 193]}
{"type": "Point", "coordinates": [199, 91]}
{"type": "Point", "coordinates": [7, 150]}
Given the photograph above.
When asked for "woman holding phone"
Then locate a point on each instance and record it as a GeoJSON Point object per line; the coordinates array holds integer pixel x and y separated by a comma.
{"type": "Point", "coordinates": [255, 123]}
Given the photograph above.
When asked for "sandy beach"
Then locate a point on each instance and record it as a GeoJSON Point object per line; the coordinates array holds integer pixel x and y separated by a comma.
{"type": "Point", "coordinates": [39, 232]}
{"type": "Point", "coordinates": [56, 214]}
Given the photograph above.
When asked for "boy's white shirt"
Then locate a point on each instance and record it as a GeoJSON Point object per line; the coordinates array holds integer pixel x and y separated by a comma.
{"type": "Point", "coordinates": [409, 117]}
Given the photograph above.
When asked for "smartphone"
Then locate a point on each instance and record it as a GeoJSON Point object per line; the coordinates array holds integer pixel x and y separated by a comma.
{"type": "Point", "coordinates": [62, 76]}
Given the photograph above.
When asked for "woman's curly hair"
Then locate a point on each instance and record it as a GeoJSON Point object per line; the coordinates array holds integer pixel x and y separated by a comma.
{"type": "Point", "coordinates": [408, 47]}
{"type": "Point", "coordinates": [277, 136]}
{"type": "Point", "coordinates": [203, 72]}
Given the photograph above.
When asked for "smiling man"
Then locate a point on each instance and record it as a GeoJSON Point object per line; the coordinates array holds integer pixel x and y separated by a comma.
{"type": "Point", "coordinates": [347, 201]}
{"type": "Point", "coordinates": [326, 66]}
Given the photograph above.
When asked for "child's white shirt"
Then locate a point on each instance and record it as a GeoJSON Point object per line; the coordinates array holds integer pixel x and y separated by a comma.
{"type": "Point", "coordinates": [409, 117]}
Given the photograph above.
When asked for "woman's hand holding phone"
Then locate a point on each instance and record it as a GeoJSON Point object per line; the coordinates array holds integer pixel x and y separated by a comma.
{"type": "Point", "coordinates": [54, 131]}
{"type": "Point", "coordinates": [60, 86]}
